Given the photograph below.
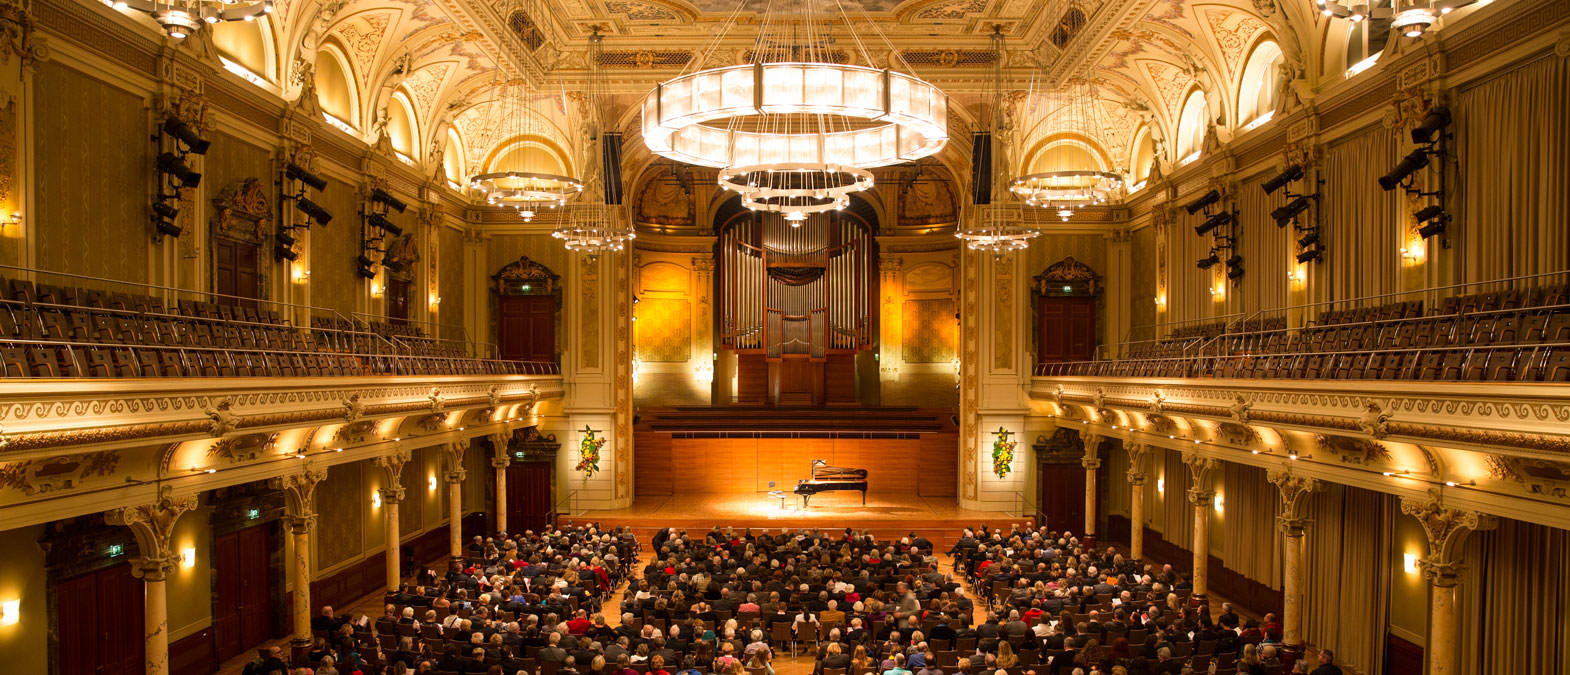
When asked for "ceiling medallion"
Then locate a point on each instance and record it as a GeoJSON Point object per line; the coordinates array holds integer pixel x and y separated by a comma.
{"type": "Point", "coordinates": [794, 131]}
{"type": "Point", "coordinates": [180, 18]}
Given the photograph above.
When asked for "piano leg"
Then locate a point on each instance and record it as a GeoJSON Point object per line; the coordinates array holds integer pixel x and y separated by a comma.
{"type": "Point", "coordinates": [804, 498]}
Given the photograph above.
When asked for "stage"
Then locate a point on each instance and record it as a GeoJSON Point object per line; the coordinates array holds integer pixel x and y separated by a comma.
{"type": "Point", "coordinates": [886, 515]}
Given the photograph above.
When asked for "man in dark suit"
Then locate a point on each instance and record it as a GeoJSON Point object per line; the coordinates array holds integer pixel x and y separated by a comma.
{"type": "Point", "coordinates": [552, 651]}
{"type": "Point", "coordinates": [1327, 664]}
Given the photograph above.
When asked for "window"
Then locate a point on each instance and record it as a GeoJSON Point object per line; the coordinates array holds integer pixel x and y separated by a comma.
{"type": "Point", "coordinates": [402, 130]}
{"type": "Point", "coordinates": [1262, 78]}
{"type": "Point", "coordinates": [452, 158]}
{"type": "Point", "coordinates": [246, 44]}
{"type": "Point", "coordinates": [1191, 127]}
{"type": "Point", "coordinates": [1143, 158]}
{"type": "Point", "coordinates": [335, 89]}
{"type": "Point", "coordinates": [1365, 40]}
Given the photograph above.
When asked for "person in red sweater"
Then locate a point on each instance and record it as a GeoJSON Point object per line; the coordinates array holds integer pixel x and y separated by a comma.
{"type": "Point", "coordinates": [579, 624]}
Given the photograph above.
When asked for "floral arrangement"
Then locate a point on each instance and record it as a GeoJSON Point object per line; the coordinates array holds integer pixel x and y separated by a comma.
{"type": "Point", "coordinates": [1002, 453]}
{"type": "Point", "coordinates": [589, 452]}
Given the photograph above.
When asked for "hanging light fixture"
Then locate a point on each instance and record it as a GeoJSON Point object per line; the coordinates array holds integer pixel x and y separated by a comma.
{"type": "Point", "coordinates": [997, 227]}
{"type": "Point", "coordinates": [597, 225]}
{"type": "Point", "coordinates": [794, 130]}
{"type": "Point", "coordinates": [181, 18]}
{"type": "Point", "coordinates": [1076, 113]}
{"type": "Point", "coordinates": [1411, 18]}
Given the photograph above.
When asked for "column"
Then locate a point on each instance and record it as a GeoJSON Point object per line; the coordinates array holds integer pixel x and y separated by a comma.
{"type": "Point", "coordinates": [18, 52]}
{"type": "Point", "coordinates": [1091, 461]}
{"type": "Point", "coordinates": [153, 527]}
{"type": "Point", "coordinates": [1201, 496]}
{"type": "Point", "coordinates": [1447, 529]}
{"type": "Point", "coordinates": [392, 494]}
{"type": "Point", "coordinates": [1293, 523]}
{"type": "Point", "coordinates": [500, 461]}
{"type": "Point", "coordinates": [1136, 499]}
{"type": "Point", "coordinates": [299, 492]}
{"type": "Point", "coordinates": [455, 474]}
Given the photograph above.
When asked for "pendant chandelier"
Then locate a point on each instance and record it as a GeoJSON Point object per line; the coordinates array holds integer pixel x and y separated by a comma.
{"type": "Point", "coordinates": [511, 127]}
{"type": "Point", "coordinates": [181, 18]}
{"type": "Point", "coordinates": [597, 225]}
{"type": "Point", "coordinates": [1076, 114]}
{"type": "Point", "coordinates": [795, 130]}
{"type": "Point", "coordinates": [996, 227]}
{"type": "Point", "coordinates": [1411, 18]}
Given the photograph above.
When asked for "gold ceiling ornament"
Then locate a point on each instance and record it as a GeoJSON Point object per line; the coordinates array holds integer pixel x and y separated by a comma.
{"type": "Point", "coordinates": [795, 130]}
{"type": "Point", "coordinates": [181, 18]}
{"type": "Point", "coordinates": [1078, 116]}
{"type": "Point", "coordinates": [996, 226]}
{"type": "Point", "coordinates": [595, 226]}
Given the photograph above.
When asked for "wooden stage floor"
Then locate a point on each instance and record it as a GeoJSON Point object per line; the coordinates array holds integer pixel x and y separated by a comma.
{"type": "Point", "coordinates": [937, 518]}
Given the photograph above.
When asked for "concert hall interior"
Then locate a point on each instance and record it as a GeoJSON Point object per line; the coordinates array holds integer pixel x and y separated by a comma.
{"type": "Point", "coordinates": [1042, 337]}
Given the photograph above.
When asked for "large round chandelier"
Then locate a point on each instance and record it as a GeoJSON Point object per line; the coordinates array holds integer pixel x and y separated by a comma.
{"type": "Point", "coordinates": [795, 130]}
{"type": "Point", "coordinates": [181, 18]}
{"type": "Point", "coordinates": [509, 127]}
{"type": "Point", "coordinates": [995, 226]}
{"type": "Point", "coordinates": [1075, 114]}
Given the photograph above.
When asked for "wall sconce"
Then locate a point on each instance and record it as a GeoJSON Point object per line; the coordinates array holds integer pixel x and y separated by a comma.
{"type": "Point", "coordinates": [1161, 302]}
{"type": "Point", "coordinates": [376, 288]}
{"type": "Point", "coordinates": [299, 274]}
{"type": "Point", "coordinates": [10, 612]}
{"type": "Point", "coordinates": [1161, 486]}
{"type": "Point", "coordinates": [14, 219]}
{"type": "Point", "coordinates": [1297, 275]}
{"type": "Point", "coordinates": [704, 372]}
{"type": "Point", "coordinates": [1409, 563]}
{"type": "Point", "coordinates": [1220, 291]}
{"type": "Point", "coordinates": [1412, 253]}
{"type": "Point", "coordinates": [436, 301]}
{"type": "Point", "coordinates": [187, 557]}
{"type": "Point", "coordinates": [376, 499]}
{"type": "Point", "coordinates": [432, 482]}
{"type": "Point", "coordinates": [1219, 503]}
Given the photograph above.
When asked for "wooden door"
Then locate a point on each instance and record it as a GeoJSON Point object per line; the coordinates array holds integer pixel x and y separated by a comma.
{"type": "Point", "coordinates": [1065, 329]}
{"type": "Point", "coordinates": [1061, 494]}
{"type": "Point", "coordinates": [528, 495]}
{"type": "Point", "coordinates": [235, 271]}
{"type": "Point", "coordinates": [100, 623]}
{"type": "Point", "coordinates": [398, 299]}
{"type": "Point", "coordinates": [242, 601]}
{"type": "Point", "coordinates": [526, 328]}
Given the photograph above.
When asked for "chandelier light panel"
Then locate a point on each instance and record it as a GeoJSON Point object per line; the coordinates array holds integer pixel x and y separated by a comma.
{"type": "Point", "coordinates": [1411, 18]}
{"type": "Point", "coordinates": [181, 18]}
{"type": "Point", "coordinates": [1077, 113]}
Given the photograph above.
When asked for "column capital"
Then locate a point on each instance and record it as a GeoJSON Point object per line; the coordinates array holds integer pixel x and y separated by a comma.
{"type": "Point", "coordinates": [1200, 496]}
{"type": "Point", "coordinates": [300, 523]}
{"type": "Point", "coordinates": [1294, 491]}
{"type": "Point", "coordinates": [1090, 464]}
{"type": "Point", "coordinates": [393, 462]}
{"type": "Point", "coordinates": [393, 494]}
{"type": "Point", "coordinates": [299, 489]}
{"type": "Point", "coordinates": [1441, 574]}
{"type": "Point", "coordinates": [1135, 477]}
{"type": "Point", "coordinates": [1292, 527]}
{"type": "Point", "coordinates": [500, 460]}
{"type": "Point", "coordinates": [153, 526]}
{"type": "Point", "coordinates": [455, 475]}
{"type": "Point", "coordinates": [1446, 529]}
{"type": "Point", "coordinates": [1199, 470]}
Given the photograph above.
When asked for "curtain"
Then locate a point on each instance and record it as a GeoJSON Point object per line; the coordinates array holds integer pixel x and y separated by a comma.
{"type": "Point", "coordinates": [1360, 225]}
{"type": "Point", "coordinates": [1522, 594]}
{"type": "Point", "coordinates": [1513, 138]}
{"type": "Point", "coordinates": [1251, 541]}
{"type": "Point", "coordinates": [1346, 590]}
{"type": "Point", "coordinates": [1177, 515]}
{"type": "Point", "coordinates": [1114, 477]}
{"type": "Point", "coordinates": [1266, 249]}
{"type": "Point", "coordinates": [1188, 287]}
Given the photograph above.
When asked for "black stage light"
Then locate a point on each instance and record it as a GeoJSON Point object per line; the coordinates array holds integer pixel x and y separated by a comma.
{"type": "Point", "coordinates": [183, 132]}
{"type": "Point", "coordinates": [1410, 164]}
{"type": "Point", "coordinates": [314, 211]}
{"type": "Point", "coordinates": [381, 196]}
{"type": "Point", "coordinates": [1292, 173]}
{"type": "Point", "coordinates": [285, 253]}
{"type": "Point", "coordinates": [1309, 256]}
{"type": "Point", "coordinates": [1234, 260]}
{"type": "Point", "coordinates": [1213, 222]}
{"type": "Point", "coordinates": [163, 210]}
{"type": "Point", "coordinates": [1208, 262]}
{"type": "Point", "coordinates": [284, 238]}
{"type": "Point", "coordinates": [1433, 218]}
{"type": "Point", "coordinates": [168, 228]}
{"type": "Point", "coordinates": [1290, 210]}
{"type": "Point", "coordinates": [381, 222]}
{"type": "Point", "coordinates": [1309, 239]}
{"type": "Point", "coordinates": [364, 267]}
{"type": "Point", "coordinates": [296, 172]}
{"type": "Point", "coordinates": [1429, 212]}
{"type": "Point", "coordinates": [171, 164]}
{"type": "Point", "coordinates": [1436, 120]}
{"type": "Point", "coordinates": [1204, 200]}
{"type": "Point", "coordinates": [1234, 271]}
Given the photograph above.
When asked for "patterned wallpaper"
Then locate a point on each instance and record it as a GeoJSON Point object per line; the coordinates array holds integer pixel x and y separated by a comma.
{"type": "Point", "coordinates": [449, 280]}
{"type": "Point", "coordinates": [333, 248]}
{"type": "Point", "coordinates": [663, 331]}
{"type": "Point", "coordinates": [931, 331]}
{"type": "Point", "coordinates": [340, 514]}
{"type": "Point", "coordinates": [92, 184]}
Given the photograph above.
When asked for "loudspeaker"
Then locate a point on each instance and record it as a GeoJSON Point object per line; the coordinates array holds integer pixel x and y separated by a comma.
{"type": "Point", "coordinates": [610, 165]}
{"type": "Point", "coordinates": [981, 168]}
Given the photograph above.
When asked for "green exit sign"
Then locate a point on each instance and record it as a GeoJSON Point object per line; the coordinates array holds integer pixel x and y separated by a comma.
{"type": "Point", "coordinates": [115, 550]}
{"type": "Point", "coordinates": [253, 514]}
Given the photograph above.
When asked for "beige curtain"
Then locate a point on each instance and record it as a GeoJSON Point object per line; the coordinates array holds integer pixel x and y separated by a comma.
{"type": "Point", "coordinates": [1346, 586]}
{"type": "Point", "coordinates": [1522, 595]}
{"type": "Point", "coordinates": [1266, 249]}
{"type": "Point", "coordinates": [1514, 154]}
{"type": "Point", "coordinates": [1188, 287]}
{"type": "Point", "coordinates": [1114, 479]}
{"type": "Point", "coordinates": [1251, 541]}
{"type": "Point", "coordinates": [1176, 523]}
{"type": "Point", "coordinates": [1360, 227]}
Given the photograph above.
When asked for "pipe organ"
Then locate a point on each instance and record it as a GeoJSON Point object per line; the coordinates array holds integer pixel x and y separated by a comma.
{"type": "Point", "coordinates": [796, 290]}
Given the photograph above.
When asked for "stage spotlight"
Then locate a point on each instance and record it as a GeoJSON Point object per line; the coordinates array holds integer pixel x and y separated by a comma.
{"type": "Point", "coordinates": [314, 211]}
{"type": "Point", "coordinates": [1410, 164]}
{"type": "Point", "coordinates": [164, 211]}
{"type": "Point", "coordinates": [1204, 200]}
{"type": "Point", "coordinates": [381, 222]}
{"type": "Point", "coordinates": [183, 132]}
{"type": "Point", "coordinates": [284, 238]}
{"type": "Point", "coordinates": [1213, 222]}
{"type": "Point", "coordinates": [1292, 173]}
{"type": "Point", "coordinates": [171, 164]}
{"type": "Point", "coordinates": [381, 196]}
{"type": "Point", "coordinates": [285, 253]}
{"type": "Point", "coordinates": [296, 172]}
{"type": "Point", "coordinates": [364, 267]}
{"type": "Point", "coordinates": [1434, 122]}
{"type": "Point", "coordinates": [1311, 255]}
{"type": "Point", "coordinates": [1434, 220]}
{"type": "Point", "coordinates": [1309, 239]}
{"type": "Point", "coordinates": [168, 228]}
{"type": "Point", "coordinates": [1290, 210]}
{"type": "Point", "coordinates": [1234, 271]}
{"type": "Point", "coordinates": [1209, 261]}
{"type": "Point", "coordinates": [1234, 260]}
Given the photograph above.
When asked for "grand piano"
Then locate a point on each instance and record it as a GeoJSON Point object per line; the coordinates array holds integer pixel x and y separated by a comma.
{"type": "Point", "coordinates": [827, 478]}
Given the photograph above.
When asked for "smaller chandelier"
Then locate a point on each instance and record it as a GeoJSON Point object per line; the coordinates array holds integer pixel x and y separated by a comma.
{"type": "Point", "coordinates": [999, 229]}
{"type": "Point", "coordinates": [592, 229]}
{"type": "Point", "coordinates": [795, 190]}
{"type": "Point", "coordinates": [526, 191]}
{"type": "Point", "coordinates": [1067, 191]}
{"type": "Point", "coordinates": [1411, 18]}
{"type": "Point", "coordinates": [182, 18]}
